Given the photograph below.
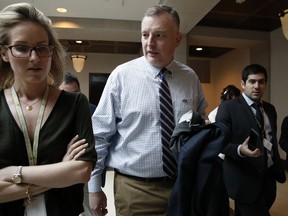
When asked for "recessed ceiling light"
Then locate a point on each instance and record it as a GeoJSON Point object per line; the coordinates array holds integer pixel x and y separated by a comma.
{"type": "Point", "coordinates": [78, 41]}
{"type": "Point", "coordinates": [199, 48]}
{"type": "Point", "coordinates": [240, 1]}
{"type": "Point", "coordinates": [61, 10]}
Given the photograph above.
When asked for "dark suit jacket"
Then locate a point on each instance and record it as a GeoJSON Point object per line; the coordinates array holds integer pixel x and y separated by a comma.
{"type": "Point", "coordinates": [244, 176]}
{"type": "Point", "coordinates": [199, 188]}
{"type": "Point", "coordinates": [92, 108]}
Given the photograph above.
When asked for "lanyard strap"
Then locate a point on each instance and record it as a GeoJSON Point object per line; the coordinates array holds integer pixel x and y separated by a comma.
{"type": "Point", "coordinates": [32, 156]}
{"type": "Point", "coordinates": [263, 129]}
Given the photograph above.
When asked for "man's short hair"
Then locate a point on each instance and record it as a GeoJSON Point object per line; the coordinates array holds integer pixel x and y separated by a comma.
{"type": "Point", "coordinates": [254, 69]}
{"type": "Point", "coordinates": [70, 78]}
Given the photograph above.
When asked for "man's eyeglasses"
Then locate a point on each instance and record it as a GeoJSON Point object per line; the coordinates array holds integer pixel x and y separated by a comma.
{"type": "Point", "coordinates": [23, 51]}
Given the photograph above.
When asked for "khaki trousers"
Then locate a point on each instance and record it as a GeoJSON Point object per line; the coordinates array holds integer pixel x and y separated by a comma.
{"type": "Point", "coordinates": [134, 197]}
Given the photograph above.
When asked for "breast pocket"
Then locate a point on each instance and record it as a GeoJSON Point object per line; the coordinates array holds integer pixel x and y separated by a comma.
{"type": "Point", "coordinates": [184, 105]}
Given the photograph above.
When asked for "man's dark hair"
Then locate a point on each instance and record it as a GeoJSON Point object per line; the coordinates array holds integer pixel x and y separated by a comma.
{"type": "Point", "coordinates": [253, 69]}
{"type": "Point", "coordinates": [70, 78]}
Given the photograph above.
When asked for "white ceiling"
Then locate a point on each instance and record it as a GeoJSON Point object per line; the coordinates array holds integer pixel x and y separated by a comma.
{"type": "Point", "coordinates": [115, 20]}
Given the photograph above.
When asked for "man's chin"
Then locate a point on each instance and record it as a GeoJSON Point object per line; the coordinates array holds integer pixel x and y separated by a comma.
{"type": "Point", "coordinates": [256, 98]}
{"type": "Point", "coordinates": [154, 61]}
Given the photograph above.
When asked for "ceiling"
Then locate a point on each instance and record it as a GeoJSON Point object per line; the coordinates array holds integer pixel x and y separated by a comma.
{"type": "Point", "coordinates": [259, 15]}
{"type": "Point", "coordinates": [255, 15]}
{"type": "Point", "coordinates": [113, 26]}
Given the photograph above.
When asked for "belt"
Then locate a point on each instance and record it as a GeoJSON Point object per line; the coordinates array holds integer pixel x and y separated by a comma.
{"type": "Point", "coordinates": [163, 179]}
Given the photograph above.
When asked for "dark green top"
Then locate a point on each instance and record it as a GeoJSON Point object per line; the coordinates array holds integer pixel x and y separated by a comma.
{"type": "Point", "coordinates": [70, 116]}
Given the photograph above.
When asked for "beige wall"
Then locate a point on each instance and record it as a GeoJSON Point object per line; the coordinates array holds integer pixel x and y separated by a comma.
{"type": "Point", "coordinates": [279, 75]}
{"type": "Point", "coordinates": [225, 70]}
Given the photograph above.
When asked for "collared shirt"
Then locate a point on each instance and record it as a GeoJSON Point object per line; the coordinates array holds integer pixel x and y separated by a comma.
{"type": "Point", "coordinates": [249, 102]}
{"type": "Point", "coordinates": [212, 115]}
{"type": "Point", "coordinates": [126, 122]}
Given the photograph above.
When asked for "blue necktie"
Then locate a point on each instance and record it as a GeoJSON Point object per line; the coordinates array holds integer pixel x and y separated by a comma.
{"type": "Point", "coordinates": [167, 125]}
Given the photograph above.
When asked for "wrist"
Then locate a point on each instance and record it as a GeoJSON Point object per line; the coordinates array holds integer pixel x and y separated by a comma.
{"type": "Point", "coordinates": [239, 151]}
{"type": "Point", "coordinates": [17, 177]}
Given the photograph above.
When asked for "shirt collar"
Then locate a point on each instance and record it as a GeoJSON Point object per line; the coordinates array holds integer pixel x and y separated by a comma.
{"type": "Point", "coordinates": [169, 67]}
{"type": "Point", "coordinates": [248, 100]}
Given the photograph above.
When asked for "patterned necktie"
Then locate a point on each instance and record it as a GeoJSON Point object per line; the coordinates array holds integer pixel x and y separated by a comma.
{"type": "Point", "coordinates": [167, 125]}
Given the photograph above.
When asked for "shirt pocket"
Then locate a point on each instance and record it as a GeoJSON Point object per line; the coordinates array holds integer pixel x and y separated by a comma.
{"type": "Point", "coordinates": [184, 105]}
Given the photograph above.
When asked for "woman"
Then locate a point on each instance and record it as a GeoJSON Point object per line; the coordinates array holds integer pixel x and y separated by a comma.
{"type": "Point", "coordinates": [38, 175]}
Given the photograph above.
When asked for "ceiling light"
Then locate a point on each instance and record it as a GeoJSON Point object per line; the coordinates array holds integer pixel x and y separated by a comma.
{"type": "Point", "coordinates": [284, 21]}
{"type": "Point", "coordinates": [78, 62]}
{"type": "Point", "coordinates": [240, 1]}
{"type": "Point", "coordinates": [64, 24]}
{"type": "Point", "coordinates": [199, 48]}
{"type": "Point", "coordinates": [61, 10]}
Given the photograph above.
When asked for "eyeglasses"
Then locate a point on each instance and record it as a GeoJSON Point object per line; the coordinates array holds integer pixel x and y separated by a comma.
{"type": "Point", "coordinates": [23, 51]}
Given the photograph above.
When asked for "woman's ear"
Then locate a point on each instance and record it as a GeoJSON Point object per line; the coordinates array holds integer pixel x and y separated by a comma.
{"type": "Point", "coordinates": [4, 56]}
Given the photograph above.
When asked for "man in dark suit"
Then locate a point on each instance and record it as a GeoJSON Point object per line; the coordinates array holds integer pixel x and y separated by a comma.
{"type": "Point", "coordinates": [250, 175]}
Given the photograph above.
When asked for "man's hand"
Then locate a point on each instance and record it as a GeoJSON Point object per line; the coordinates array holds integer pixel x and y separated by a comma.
{"type": "Point", "coordinates": [98, 203]}
{"type": "Point", "coordinates": [245, 151]}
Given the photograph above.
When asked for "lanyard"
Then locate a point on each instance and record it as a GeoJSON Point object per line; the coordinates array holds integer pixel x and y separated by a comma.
{"type": "Point", "coordinates": [263, 129]}
{"type": "Point", "coordinates": [32, 156]}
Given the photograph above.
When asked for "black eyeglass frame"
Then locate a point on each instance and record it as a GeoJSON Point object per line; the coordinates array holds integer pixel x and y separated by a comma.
{"type": "Point", "coordinates": [50, 47]}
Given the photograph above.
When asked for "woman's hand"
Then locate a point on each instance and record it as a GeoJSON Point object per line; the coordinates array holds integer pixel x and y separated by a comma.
{"type": "Point", "coordinates": [75, 149]}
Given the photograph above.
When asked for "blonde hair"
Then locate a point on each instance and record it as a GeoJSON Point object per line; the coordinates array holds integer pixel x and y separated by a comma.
{"type": "Point", "coordinates": [15, 14]}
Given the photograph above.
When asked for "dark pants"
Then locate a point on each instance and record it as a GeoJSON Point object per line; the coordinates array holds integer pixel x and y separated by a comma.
{"type": "Point", "coordinates": [264, 202]}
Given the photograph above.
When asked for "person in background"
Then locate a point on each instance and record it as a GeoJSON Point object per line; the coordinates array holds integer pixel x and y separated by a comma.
{"type": "Point", "coordinates": [250, 174]}
{"type": "Point", "coordinates": [229, 92]}
{"type": "Point", "coordinates": [284, 139]}
{"type": "Point", "coordinates": [126, 122]}
{"type": "Point", "coordinates": [42, 165]}
{"type": "Point", "coordinates": [71, 84]}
